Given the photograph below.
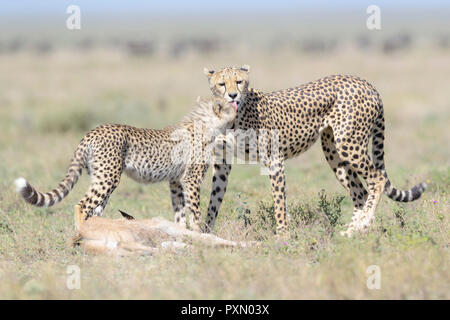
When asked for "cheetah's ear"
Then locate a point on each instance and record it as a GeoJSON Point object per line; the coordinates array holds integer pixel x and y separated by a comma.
{"type": "Point", "coordinates": [79, 217]}
{"type": "Point", "coordinates": [126, 215]}
{"type": "Point", "coordinates": [245, 68]}
{"type": "Point", "coordinates": [208, 72]}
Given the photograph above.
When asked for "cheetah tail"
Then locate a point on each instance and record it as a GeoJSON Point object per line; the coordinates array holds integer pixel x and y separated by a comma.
{"type": "Point", "coordinates": [34, 197]}
{"type": "Point", "coordinates": [404, 196]}
{"type": "Point", "coordinates": [378, 159]}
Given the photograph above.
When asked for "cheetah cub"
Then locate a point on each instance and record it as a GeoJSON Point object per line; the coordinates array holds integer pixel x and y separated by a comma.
{"type": "Point", "coordinates": [177, 154]}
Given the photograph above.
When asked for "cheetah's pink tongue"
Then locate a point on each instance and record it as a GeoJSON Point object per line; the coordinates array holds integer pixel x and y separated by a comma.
{"type": "Point", "coordinates": [234, 103]}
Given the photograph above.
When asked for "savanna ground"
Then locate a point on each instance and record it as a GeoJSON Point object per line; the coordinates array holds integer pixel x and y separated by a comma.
{"type": "Point", "coordinates": [48, 102]}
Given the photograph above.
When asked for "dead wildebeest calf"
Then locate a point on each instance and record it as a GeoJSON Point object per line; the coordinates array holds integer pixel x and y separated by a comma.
{"type": "Point", "coordinates": [125, 236]}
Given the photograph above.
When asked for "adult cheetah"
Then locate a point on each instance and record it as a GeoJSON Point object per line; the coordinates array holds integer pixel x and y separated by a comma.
{"type": "Point", "coordinates": [177, 154]}
{"type": "Point", "coordinates": [345, 111]}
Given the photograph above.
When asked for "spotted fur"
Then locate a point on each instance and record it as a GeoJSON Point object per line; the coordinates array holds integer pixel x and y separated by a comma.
{"type": "Point", "coordinates": [145, 155]}
{"type": "Point", "coordinates": [344, 111]}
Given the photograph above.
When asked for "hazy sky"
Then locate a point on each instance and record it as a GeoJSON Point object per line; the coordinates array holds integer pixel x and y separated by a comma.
{"type": "Point", "coordinates": [149, 17]}
{"type": "Point", "coordinates": [228, 7]}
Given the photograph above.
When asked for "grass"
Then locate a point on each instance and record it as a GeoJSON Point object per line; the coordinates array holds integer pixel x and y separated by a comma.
{"type": "Point", "coordinates": [46, 108]}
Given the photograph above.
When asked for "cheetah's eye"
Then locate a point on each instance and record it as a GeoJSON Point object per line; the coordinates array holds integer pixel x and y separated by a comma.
{"type": "Point", "coordinates": [239, 81]}
{"type": "Point", "coordinates": [222, 84]}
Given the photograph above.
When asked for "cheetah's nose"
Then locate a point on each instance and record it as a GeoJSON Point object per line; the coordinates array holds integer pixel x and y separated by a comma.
{"type": "Point", "coordinates": [232, 95]}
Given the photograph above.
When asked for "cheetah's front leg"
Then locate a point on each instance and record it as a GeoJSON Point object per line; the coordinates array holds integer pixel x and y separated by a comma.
{"type": "Point", "coordinates": [221, 170]}
{"type": "Point", "coordinates": [191, 182]}
{"type": "Point", "coordinates": [219, 187]}
{"type": "Point", "coordinates": [178, 203]}
{"type": "Point", "coordinates": [278, 184]}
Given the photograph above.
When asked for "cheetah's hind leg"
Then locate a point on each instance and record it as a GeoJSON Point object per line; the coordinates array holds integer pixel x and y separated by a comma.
{"type": "Point", "coordinates": [375, 181]}
{"type": "Point", "coordinates": [346, 176]}
{"type": "Point", "coordinates": [104, 180]}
